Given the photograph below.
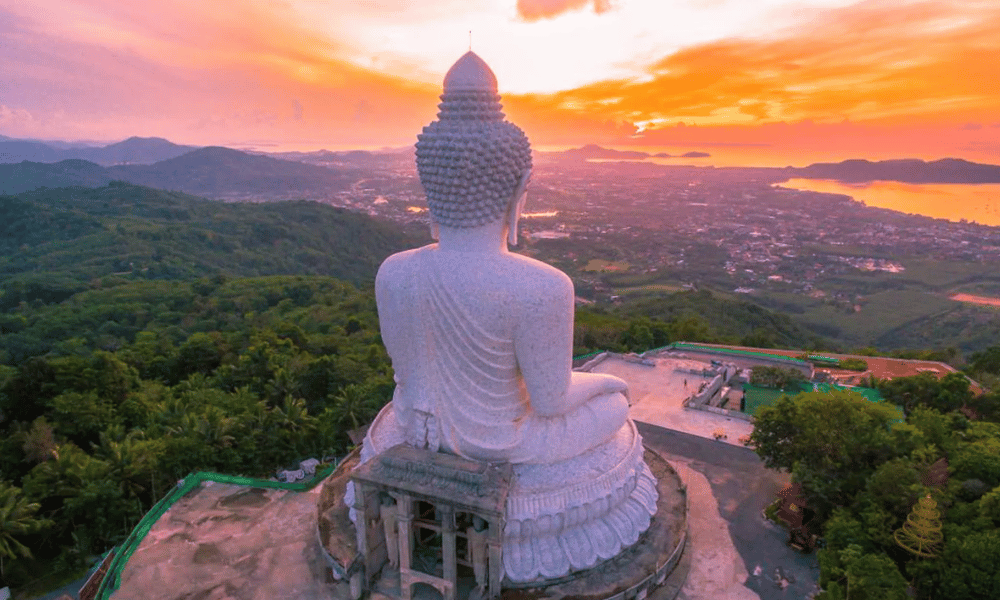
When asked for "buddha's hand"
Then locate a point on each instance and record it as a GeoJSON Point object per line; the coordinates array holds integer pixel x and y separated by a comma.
{"type": "Point", "coordinates": [584, 387]}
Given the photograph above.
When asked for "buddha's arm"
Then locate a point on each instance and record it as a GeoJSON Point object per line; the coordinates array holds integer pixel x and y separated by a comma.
{"type": "Point", "coordinates": [544, 349]}
{"type": "Point", "coordinates": [543, 344]}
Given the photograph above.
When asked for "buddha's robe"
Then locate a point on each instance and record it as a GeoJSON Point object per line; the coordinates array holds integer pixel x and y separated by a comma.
{"type": "Point", "coordinates": [459, 386]}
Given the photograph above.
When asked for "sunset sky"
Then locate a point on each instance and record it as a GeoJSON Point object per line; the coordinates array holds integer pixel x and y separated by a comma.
{"type": "Point", "coordinates": [788, 79]}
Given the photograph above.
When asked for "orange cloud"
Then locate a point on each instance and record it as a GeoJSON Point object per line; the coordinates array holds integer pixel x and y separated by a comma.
{"type": "Point", "coordinates": [874, 61]}
{"type": "Point", "coordinates": [912, 74]}
{"type": "Point", "coordinates": [533, 10]}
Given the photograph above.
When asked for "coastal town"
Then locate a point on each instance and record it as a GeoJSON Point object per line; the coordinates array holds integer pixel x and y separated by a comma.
{"type": "Point", "coordinates": [734, 224]}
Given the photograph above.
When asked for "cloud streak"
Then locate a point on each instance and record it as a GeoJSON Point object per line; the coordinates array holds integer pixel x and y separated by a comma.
{"type": "Point", "coordinates": [534, 10]}
{"type": "Point", "coordinates": [872, 61]}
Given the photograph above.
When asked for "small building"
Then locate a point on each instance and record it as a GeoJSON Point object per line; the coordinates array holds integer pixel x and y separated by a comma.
{"type": "Point", "coordinates": [796, 515]}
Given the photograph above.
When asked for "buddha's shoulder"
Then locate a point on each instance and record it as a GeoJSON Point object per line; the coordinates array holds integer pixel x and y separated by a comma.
{"type": "Point", "coordinates": [534, 274]}
{"type": "Point", "coordinates": [522, 272]}
{"type": "Point", "coordinates": [401, 261]}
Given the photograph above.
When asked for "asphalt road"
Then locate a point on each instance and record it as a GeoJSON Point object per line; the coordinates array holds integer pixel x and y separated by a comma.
{"type": "Point", "coordinates": [743, 487]}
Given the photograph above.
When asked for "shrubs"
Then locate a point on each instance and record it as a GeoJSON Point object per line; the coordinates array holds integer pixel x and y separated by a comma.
{"type": "Point", "coordinates": [854, 364]}
{"type": "Point", "coordinates": [775, 377]}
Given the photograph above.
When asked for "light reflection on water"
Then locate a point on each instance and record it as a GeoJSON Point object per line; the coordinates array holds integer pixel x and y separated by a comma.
{"type": "Point", "coordinates": [979, 203]}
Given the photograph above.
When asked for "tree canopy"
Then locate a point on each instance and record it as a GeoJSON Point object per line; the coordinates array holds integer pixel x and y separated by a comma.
{"type": "Point", "coordinates": [890, 514]}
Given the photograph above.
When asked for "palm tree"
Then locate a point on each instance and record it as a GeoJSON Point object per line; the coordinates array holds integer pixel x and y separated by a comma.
{"type": "Point", "coordinates": [350, 406]}
{"type": "Point", "coordinates": [294, 424]}
{"type": "Point", "coordinates": [132, 460]}
{"type": "Point", "coordinates": [17, 518]}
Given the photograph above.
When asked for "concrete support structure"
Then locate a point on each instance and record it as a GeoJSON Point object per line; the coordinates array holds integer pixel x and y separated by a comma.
{"type": "Point", "coordinates": [406, 497]}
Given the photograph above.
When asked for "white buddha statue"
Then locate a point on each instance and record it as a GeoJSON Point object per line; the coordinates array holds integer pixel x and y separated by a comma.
{"type": "Point", "coordinates": [481, 344]}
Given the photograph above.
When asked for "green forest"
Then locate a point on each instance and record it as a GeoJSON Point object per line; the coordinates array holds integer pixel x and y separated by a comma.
{"type": "Point", "coordinates": [113, 395]}
{"type": "Point", "coordinates": [57, 242]}
{"type": "Point", "coordinates": [147, 334]}
{"type": "Point", "coordinates": [905, 498]}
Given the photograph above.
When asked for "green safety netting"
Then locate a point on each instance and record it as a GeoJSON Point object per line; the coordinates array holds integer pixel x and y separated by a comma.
{"type": "Point", "coordinates": [112, 580]}
{"type": "Point", "coordinates": [826, 360]}
{"type": "Point", "coordinates": [704, 348]}
{"type": "Point", "coordinates": [734, 352]}
{"type": "Point", "coordinates": [757, 396]}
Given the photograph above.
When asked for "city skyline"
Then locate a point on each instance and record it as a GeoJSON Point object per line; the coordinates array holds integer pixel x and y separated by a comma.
{"type": "Point", "coordinates": [819, 78]}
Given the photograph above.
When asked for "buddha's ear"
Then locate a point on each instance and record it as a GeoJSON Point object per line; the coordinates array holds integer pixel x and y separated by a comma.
{"type": "Point", "coordinates": [435, 230]}
{"type": "Point", "coordinates": [516, 205]}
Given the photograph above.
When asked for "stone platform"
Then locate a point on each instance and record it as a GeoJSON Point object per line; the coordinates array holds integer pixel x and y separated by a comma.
{"type": "Point", "coordinates": [224, 541]}
{"type": "Point", "coordinates": [232, 542]}
{"type": "Point", "coordinates": [654, 567]}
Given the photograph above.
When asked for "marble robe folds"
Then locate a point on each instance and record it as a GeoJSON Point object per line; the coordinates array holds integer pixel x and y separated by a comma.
{"type": "Point", "coordinates": [460, 389]}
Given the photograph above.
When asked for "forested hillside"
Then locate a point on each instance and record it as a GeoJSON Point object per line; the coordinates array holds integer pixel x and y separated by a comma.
{"type": "Point", "coordinates": [655, 320]}
{"type": "Point", "coordinates": [26, 176]}
{"type": "Point", "coordinates": [240, 376]}
{"type": "Point", "coordinates": [146, 334]}
{"type": "Point", "coordinates": [56, 242]}
{"type": "Point", "coordinates": [907, 503]}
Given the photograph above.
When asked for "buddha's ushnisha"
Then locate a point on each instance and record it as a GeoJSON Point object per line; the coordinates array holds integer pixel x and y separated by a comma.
{"type": "Point", "coordinates": [471, 160]}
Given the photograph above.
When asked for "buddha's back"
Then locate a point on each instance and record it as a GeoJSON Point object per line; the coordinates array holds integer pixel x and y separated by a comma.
{"type": "Point", "coordinates": [462, 331]}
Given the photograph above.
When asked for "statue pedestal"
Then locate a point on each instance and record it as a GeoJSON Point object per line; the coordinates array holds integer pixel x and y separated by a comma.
{"type": "Point", "coordinates": [654, 566]}
{"type": "Point", "coordinates": [565, 516]}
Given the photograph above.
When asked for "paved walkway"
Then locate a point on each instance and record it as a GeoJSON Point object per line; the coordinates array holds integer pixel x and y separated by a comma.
{"type": "Point", "coordinates": [717, 570]}
{"type": "Point", "coordinates": [737, 554]}
{"type": "Point", "coordinates": [657, 395]}
{"type": "Point", "coordinates": [739, 550]}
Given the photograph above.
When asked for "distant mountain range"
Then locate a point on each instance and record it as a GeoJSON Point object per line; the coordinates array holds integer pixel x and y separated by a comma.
{"type": "Point", "coordinates": [133, 151]}
{"type": "Point", "coordinates": [595, 152]}
{"type": "Point", "coordinates": [226, 173]}
{"type": "Point", "coordinates": [212, 171]}
{"type": "Point", "coordinates": [910, 170]}
{"type": "Point", "coordinates": [362, 159]}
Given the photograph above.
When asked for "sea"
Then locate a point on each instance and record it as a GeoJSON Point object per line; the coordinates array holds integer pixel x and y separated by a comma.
{"type": "Point", "coordinates": [973, 203]}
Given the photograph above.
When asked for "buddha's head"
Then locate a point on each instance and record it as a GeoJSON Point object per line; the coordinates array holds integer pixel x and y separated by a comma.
{"type": "Point", "coordinates": [474, 165]}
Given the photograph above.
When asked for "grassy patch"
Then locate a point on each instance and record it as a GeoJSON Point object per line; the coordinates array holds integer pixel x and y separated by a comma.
{"type": "Point", "coordinates": [604, 266]}
{"type": "Point", "coordinates": [937, 274]}
{"type": "Point", "coordinates": [879, 313]}
{"type": "Point", "coordinates": [652, 287]}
